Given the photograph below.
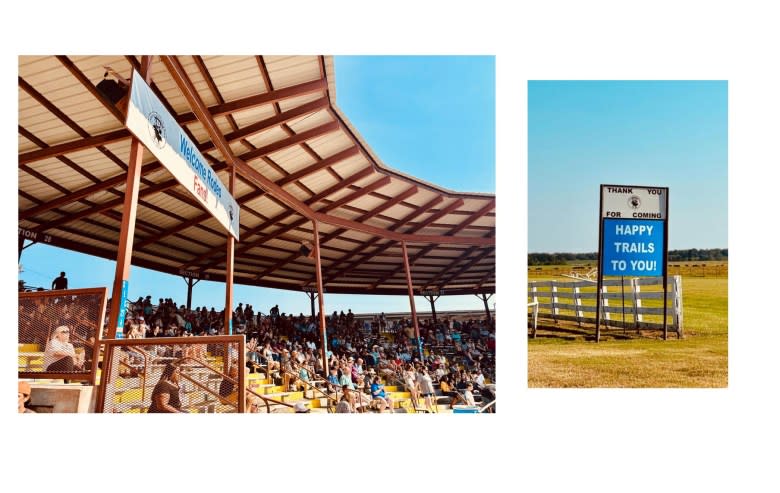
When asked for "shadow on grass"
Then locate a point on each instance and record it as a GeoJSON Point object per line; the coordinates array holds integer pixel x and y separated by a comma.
{"type": "Point", "coordinates": [586, 333]}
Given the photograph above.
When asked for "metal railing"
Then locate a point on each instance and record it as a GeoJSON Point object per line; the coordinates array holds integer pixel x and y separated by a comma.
{"type": "Point", "coordinates": [295, 379]}
{"type": "Point", "coordinates": [41, 312]}
{"type": "Point", "coordinates": [491, 404]}
{"type": "Point", "coordinates": [115, 396]}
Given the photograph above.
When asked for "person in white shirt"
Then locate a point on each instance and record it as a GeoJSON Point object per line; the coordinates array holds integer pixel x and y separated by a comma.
{"type": "Point", "coordinates": [469, 396]}
{"type": "Point", "coordinates": [479, 379]}
{"type": "Point", "coordinates": [60, 355]}
{"type": "Point", "coordinates": [426, 388]}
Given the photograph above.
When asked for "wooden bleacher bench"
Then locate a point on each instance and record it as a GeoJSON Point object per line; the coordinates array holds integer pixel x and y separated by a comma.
{"type": "Point", "coordinates": [279, 396]}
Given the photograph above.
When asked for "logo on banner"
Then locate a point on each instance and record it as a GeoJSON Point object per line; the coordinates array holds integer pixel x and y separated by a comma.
{"type": "Point", "coordinates": [157, 129]}
{"type": "Point", "coordinates": [230, 212]}
{"type": "Point", "coordinates": [634, 202]}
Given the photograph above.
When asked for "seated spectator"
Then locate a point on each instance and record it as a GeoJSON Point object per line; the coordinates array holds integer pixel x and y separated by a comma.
{"type": "Point", "coordinates": [24, 398]}
{"type": "Point", "coordinates": [269, 356]}
{"type": "Point", "coordinates": [380, 396]}
{"type": "Point", "coordinates": [228, 386]}
{"type": "Point", "coordinates": [333, 379]}
{"type": "Point", "coordinates": [60, 355]}
{"type": "Point", "coordinates": [252, 404]}
{"type": "Point", "coordinates": [345, 405]}
{"type": "Point", "coordinates": [468, 395]}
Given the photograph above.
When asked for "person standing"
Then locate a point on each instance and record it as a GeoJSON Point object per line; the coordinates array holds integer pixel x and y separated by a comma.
{"type": "Point", "coordinates": [165, 396]}
{"type": "Point", "coordinates": [426, 388]}
{"type": "Point", "coordinates": [60, 282]}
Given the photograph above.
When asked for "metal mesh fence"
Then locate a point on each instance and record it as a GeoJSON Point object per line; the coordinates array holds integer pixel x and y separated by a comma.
{"type": "Point", "coordinates": [173, 374]}
{"type": "Point", "coordinates": [59, 333]}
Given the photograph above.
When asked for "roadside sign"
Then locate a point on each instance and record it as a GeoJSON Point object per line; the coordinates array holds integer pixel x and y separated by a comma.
{"type": "Point", "coordinates": [633, 235]}
{"type": "Point", "coordinates": [632, 247]}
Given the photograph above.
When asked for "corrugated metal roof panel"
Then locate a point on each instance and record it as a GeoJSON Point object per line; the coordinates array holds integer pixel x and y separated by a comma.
{"type": "Point", "coordinates": [286, 71]}
{"type": "Point", "coordinates": [201, 245]}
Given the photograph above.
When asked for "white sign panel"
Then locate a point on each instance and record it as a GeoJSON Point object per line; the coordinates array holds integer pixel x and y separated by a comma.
{"type": "Point", "coordinates": [155, 127]}
{"type": "Point", "coordinates": [630, 202]}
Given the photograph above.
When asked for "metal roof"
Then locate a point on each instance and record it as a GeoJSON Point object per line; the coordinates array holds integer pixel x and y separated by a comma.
{"type": "Point", "coordinates": [299, 157]}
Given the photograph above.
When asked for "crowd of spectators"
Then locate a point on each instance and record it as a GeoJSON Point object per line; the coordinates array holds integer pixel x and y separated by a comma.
{"type": "Point", "coordinates": [450, 352]}
{"type": "Point", "coordinates": [363, 353]}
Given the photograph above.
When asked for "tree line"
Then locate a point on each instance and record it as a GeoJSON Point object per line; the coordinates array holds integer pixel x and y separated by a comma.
{"type": "Point", "coordinates": [689, 255]}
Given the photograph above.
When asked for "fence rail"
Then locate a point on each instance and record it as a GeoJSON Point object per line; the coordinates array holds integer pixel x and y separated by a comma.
{"type": "Point", "coordinates": [626, 302]}
{"type": "Point", "coordinates": [211, 370]}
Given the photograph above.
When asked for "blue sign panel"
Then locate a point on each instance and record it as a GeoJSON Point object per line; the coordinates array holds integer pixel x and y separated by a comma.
{"type": "Point", "coordinates": [120, 322]}
{"type": "Point", "coordinates": [633, 247]}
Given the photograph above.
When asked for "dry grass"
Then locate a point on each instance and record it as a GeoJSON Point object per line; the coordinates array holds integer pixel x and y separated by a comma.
{"type": "Point", "coordinates": [564, 356]}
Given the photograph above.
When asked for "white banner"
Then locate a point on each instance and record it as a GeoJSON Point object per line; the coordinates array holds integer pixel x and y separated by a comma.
{"type": "Point", "coordinates": [155, 127]}
{"type": "Point", "coordinates": [630, 202]}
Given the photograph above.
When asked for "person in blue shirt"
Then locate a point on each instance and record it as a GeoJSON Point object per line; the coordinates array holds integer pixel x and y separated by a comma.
{"type": "Point", "coordinates": [380, 396]}
{"type": "Point", "coordinates": [333, 379]}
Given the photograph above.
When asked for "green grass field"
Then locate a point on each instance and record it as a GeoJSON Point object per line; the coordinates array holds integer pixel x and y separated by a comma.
{"type": "Point", "coordinates": [566, 356]}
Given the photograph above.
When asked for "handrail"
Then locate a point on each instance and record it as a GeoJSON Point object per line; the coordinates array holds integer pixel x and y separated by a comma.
{"type": "Point", "coordinates": [231, 379]}
{"type": "Point", "coordinates": [486, 406]}
{"type": "Point", "coordinates": [112, 345]}
{"type": "Point", "coordinates": [310, 385]}
{"type": "Point", "coordinates": [145, 356]}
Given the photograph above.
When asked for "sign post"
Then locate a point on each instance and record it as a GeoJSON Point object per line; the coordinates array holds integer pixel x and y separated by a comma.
{"type": "Point", "coordinates": [633, 237]}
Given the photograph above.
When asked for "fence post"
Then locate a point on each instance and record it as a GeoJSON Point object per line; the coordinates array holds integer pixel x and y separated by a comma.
{"type": "Point", "coordinates": [678, 305]}
{"type": "Point", "coordinates": [604, 304]}
{"type": "Point", "coordinates": [637, 301]}
{"type": "Point", "coordinates": [578, 303]}
{"type": "Point", "coordinates": [535, 303]}
{"type": "Point", "coordinates": [554, 300]}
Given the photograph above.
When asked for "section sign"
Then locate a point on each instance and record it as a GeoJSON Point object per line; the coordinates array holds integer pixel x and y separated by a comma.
{"type": "Point", "coordinates": [152, 124]}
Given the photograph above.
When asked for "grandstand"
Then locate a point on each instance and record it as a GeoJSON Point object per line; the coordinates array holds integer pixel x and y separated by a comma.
{"type": "Point", "coordinates": [313, 209]}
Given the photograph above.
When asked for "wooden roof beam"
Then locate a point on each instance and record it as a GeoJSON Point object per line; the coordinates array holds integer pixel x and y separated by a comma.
{"type": "Point", "coordinates": [417, 212]}
{"type": "Point", "coordinates": [111, 107]}
{"type": "Point", "coordinates": [217, 110]}
{"type": "Point", "coordinates": [182, 80]}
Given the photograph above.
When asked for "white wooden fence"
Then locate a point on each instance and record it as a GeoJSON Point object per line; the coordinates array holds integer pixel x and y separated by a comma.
{"type": "Point", "coordinates": [635, 303]}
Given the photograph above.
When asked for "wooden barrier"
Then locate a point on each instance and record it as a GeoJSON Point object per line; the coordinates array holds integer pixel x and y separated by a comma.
{"type": "Point", "coordinates": [635, 303]}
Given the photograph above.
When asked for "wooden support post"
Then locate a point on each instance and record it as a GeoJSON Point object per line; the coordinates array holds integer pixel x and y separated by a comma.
{"type": "Point", "coordinates": [116, 314]}
{"type": "Point", "coordinates": [229, 260]}
{"type": "Point", "coordinates": [411, 298]}
{"type": "Point", "coordinates": [484, 297]}
{"type": "Point", "coordinates": [191, 281]}
{"type": "Point", "coordinates": [318, 272]}
{"type": "Point", "coordinates": [433, 307]}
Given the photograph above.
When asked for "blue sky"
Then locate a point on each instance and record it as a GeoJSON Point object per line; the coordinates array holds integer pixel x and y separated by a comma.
{"type": "Point", "coordinates": [430, 117]}
{"type": "Point", "coordinates": [663, 133]}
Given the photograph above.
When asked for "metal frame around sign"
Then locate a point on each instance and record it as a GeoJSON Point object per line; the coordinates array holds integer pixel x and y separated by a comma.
{"type": "Point", "coordinates": [665, 219]}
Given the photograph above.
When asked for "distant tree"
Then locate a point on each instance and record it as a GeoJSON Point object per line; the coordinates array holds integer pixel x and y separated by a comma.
{"type": "Point", "coordinates": [689, 255]}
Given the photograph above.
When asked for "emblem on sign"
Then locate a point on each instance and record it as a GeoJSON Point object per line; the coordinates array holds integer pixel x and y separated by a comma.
{"type": "Point", "coordinates": [157, 129]}
{"type": "Point", "coordinates": [634, 202]}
